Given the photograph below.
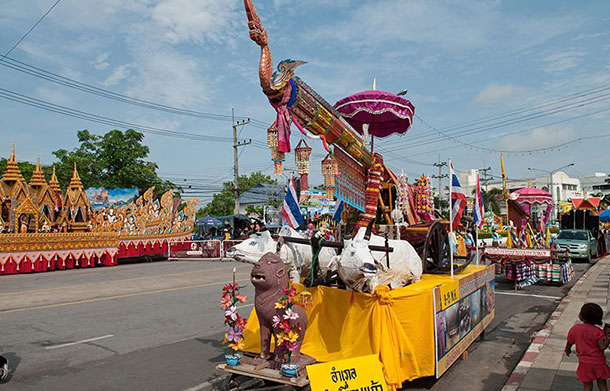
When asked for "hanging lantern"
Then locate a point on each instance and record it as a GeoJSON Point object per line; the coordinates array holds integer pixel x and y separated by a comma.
{"type": "Point", "coordinates": [276, 156]}
{"type": "Point", "coordinates": [301, 157]}
{"type": "Point", "coordinates": [330, 169]}
{"type": "Point", "coordinates": [272, 137]}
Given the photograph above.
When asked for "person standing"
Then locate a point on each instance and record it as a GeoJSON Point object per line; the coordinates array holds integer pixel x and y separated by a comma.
{"type": "Point", "coordinates": [590, 344]}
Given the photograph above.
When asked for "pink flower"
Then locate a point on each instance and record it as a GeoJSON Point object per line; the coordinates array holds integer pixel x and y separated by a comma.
{"type": "Point", "coordinates": [225, 303]}
{"type": "Point", "coordinates": [276, 320]}
{"type": "Point", "coordinates": [231, 313]}
{"type": "Point", "coordinates": [290, 315]}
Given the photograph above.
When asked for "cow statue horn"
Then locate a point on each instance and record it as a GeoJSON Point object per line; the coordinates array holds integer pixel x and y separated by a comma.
{"type": "Point", "coordinates": [369, 228]}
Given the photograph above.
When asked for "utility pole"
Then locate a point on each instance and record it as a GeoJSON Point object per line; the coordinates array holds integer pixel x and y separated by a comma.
{"type": "Point", "coordinates": [486, 176]}
{"type": "Point", "coordinates": [237, 144]}
{"type": "Point", "coordinates": [440, 177]}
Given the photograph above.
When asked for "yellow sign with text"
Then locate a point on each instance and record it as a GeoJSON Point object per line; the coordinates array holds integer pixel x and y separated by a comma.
{"type": "Point", "coordinates": [353, 374]}
{"type": "Point", "coordinates": [450, 293]}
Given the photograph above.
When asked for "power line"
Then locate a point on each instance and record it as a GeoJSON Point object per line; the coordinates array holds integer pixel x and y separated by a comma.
{"type": "Point", "coordinates": [88, 88]}
{"type": "Point", "coordinates": [538, 114]}
{"type": "Point", "coordinates": [30, 30]}
{"type": "Point", "coordinates": [64, 110]}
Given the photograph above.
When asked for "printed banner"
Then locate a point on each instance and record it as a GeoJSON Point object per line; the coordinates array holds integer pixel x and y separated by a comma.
{"type": "Point", "coordinates": [101, 197]}
{"type": "Point", "coordinates": [463, 309]}
{"type": "Point", "coordinates": [521, 252]}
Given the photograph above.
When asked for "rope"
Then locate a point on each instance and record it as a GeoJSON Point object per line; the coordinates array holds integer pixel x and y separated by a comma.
{"type": "Point", "coordinates": [315, 264]}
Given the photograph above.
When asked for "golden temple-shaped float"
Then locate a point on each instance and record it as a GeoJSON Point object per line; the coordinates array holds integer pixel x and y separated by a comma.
{"type": "Point", "coordinates": [43, 228]}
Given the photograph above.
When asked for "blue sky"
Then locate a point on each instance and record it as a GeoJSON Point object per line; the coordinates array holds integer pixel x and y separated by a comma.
{"type": "Point", "coordinates": [460, 60]}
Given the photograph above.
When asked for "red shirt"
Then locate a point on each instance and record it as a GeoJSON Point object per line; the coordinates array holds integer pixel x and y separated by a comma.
{"type": "Point", "coordinates": [585, 337]}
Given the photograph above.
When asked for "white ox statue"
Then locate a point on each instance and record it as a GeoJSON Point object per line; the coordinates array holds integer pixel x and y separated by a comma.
{"type": "Point", "coordinates": [296, 256]}
{"type": "Point", "coordinates": [362, 269]}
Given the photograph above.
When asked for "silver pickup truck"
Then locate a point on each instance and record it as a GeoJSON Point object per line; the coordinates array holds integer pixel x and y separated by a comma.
{"type": "Point", "coordinates": [580, 243]}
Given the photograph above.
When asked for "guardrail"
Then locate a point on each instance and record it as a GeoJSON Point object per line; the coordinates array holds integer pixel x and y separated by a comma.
{"type": "Point", "coordinates": [200, 249]}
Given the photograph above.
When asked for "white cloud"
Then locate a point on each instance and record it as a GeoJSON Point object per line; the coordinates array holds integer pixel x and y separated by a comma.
{"type": "Point", "coordinates": [564, 60]}
{"type": "Point", "coordinates": [501, 93]}
{"type": "Point", "coordinates": [119, 74]}
{"type": "Point", "coordinates": [453, 26]}
{"type": "Point", "coordinates": [538, 138]}
{"type": "Point", "coordinates": [100, 63]}
{"type": "Point", "coordinates": [165, 75]}
{"type": "Point", "coordinates": [53, 95]}
{"type": "Point", "coordinates": [197, 21]}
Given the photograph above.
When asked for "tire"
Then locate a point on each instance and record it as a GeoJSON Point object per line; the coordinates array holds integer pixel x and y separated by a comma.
{"type": "Point", "coordinates": [589, 258]}
{"type": "Point", "coordinates": [3, 368]}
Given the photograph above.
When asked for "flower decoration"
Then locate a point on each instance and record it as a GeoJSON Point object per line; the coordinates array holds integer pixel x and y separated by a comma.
{"type": "Point", "coordinates": [286, 322]}
{"type": "Point", "coordinates": [230, 297]}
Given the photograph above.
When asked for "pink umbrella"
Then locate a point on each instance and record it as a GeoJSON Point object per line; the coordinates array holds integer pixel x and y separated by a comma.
{"type": "Point", "coordinates": [384, 113]}
{"type": "Point", "coordinates": [530, 196]}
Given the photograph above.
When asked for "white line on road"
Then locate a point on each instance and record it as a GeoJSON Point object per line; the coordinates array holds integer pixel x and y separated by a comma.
{"type": "Point", "coordinates": [204, 384]}
{"type": "Point", "coordinates": [245, 306]}
{"type": "Point", "coordinates": [528, 295]}
{"type": "Point", "coordinates": [63, 345]}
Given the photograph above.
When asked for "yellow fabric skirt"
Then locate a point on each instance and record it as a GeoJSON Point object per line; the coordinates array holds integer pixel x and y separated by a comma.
{"type": "Point", "coordinates": [397, 325]}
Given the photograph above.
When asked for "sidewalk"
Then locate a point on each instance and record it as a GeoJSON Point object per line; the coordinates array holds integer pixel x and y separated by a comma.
{"type": "Point", "coordinates": [544, 366]}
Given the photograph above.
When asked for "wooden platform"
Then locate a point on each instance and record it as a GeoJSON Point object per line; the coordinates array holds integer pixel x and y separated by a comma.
{"type": "Point", "coordinates": [268, 374]}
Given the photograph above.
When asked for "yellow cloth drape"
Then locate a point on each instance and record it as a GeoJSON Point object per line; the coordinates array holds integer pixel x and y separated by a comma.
{"type": "Point", "coordinates": [397, 325]}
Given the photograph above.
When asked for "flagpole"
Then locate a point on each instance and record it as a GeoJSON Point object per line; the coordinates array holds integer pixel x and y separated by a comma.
{"type": "Point", "coordinates": [476, 225]}
{"type": "Point", "coordinates": [450, 217]}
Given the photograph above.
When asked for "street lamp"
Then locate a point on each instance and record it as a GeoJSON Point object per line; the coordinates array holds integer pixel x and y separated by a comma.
{"type": "Point", "coordinates": [551, 182]}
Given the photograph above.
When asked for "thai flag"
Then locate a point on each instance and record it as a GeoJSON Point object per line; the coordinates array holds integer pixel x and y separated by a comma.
{"type": "Point", "coordinates": [290, 209]}
{"type": "Point", "coordinates": [479, 209]}
{"type": "Point", "coordinates": [523, 239]}
{"type": "Point", "coordinates": [458, 198]}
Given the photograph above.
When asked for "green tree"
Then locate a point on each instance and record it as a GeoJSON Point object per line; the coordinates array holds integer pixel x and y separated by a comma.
{"type": "Point", "coordinates": [222, 203]}
{"type": "Point", "coordinates": [492, 199]}
{"type": "Point", "coordinates": [114, 160]}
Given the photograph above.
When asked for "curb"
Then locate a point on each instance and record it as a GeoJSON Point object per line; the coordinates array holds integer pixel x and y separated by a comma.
{"type": "Point", "coordinates": [539, 338]}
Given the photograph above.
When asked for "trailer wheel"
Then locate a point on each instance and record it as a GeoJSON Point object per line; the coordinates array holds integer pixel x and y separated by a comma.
{"type": "Point", "coordinates": [436, 248]}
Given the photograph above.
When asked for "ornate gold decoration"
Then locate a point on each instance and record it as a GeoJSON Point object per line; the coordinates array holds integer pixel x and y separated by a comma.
{"type": "Point", "coordinates": [54, 183]}
{"type": "Point", "coordinates": [38, 176]}
{"type": "Point", "coordinates": [12, 172]}
{"type": "Point", "coordinates": [57, 241]}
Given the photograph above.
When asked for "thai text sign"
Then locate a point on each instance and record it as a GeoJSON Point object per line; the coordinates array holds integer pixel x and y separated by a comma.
{"type": "Point", "coordinates": [353, 374]}
{"type": "Point", "coordinates": [463, 308]}
{"type": "Point", "coordinates": [523, 252]}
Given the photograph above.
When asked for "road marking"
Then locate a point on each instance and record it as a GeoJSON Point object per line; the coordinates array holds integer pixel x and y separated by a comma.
{"type": "Point", "coordinates": [114, 297]}
{"type": "Point", "coordinates": [63, 345]}
{"type": "Point", "coordinates": [204, 384]}
{"type": "Point", "coordinates": [118, 280]}
{"type": "Point", "coordinates": [528, 295]}
{"type": "Point", "coordinates": [245, 306]}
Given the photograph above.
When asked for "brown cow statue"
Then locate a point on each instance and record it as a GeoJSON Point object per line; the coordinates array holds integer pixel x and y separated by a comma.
{"type": "Point", "coordinates": [269, 276]}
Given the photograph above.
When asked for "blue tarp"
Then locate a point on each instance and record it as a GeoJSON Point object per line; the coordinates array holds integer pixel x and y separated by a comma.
{"type": "Point", "coordinates": [604, 217]}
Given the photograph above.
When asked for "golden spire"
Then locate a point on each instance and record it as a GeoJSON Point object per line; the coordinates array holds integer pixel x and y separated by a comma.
{"type": "Point", "coordinates": [37, 175]}
{"type": "Point", "coordinates": [12, 172]}
{"type": "Point", "coordinates": [75, 182]}
{"type": "Point", "coordinates": [54, 183]}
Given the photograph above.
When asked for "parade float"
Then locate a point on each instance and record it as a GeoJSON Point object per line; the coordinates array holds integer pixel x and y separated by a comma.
{"type": "Point", "coordinates": [44, 228]}
{"type": "Point", "coordinates": [397, 299]}
{"type": "Point", "coordinates": [528, 257]}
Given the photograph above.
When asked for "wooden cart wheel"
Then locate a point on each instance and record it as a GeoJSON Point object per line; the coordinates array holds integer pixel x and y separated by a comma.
{"type": "Point", "coordinates": [435, 253]}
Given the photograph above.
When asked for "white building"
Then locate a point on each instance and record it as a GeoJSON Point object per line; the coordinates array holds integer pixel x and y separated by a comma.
{"type": "Point", "coordinates": [564, 186]}
{"type": "Point", "coordinates": [595, 183]}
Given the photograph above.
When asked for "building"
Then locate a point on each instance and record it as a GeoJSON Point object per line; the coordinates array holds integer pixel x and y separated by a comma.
{"type": "Point", "coordinates": [595, 183]}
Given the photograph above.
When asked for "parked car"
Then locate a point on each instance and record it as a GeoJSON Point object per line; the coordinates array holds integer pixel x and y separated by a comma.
{"type": "Point", "coordinates": [580, 243]}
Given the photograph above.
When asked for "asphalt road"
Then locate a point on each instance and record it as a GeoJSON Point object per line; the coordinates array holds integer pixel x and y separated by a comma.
{"type": "Point", "coordinates": [158, 326]}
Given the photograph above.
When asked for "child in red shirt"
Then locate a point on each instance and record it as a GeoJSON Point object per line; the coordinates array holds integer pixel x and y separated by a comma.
{"type": "Point", "coordinates": [590, 344]}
